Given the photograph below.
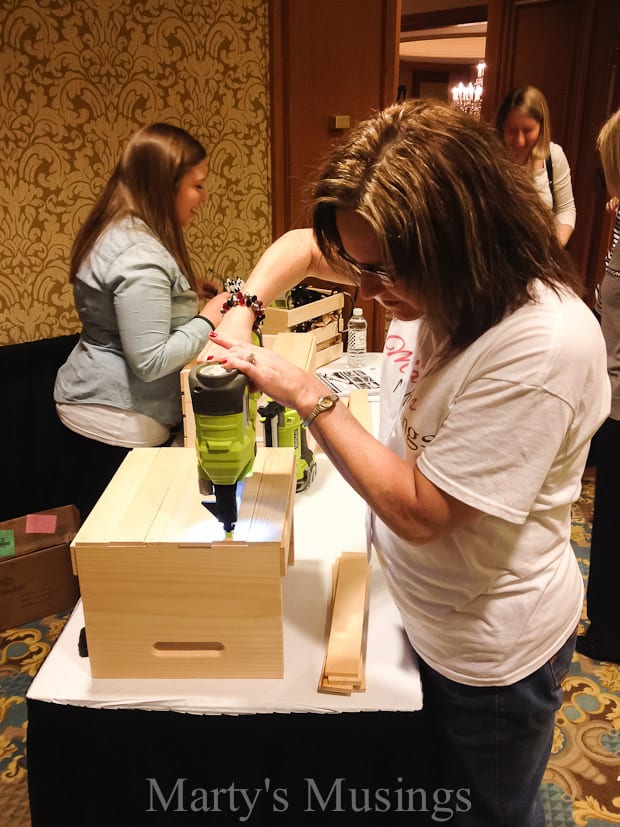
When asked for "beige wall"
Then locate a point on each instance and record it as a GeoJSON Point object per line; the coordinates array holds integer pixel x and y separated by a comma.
{"type": "Point", "coordinates": [76, 80]}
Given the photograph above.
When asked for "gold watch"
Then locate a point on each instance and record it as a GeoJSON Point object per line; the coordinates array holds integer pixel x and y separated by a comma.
{"type": "Point", "coordinates": [325, 403]}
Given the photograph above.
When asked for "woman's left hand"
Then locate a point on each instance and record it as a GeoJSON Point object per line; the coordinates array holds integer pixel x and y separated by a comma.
{"type": "Point", "coordinates": [270, 373]}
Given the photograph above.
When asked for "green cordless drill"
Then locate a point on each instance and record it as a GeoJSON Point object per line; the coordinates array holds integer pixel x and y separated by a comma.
{"type": "Point", "coordinates": [284, 429]}
{"type": "Point", "coordinates": [225, 416]}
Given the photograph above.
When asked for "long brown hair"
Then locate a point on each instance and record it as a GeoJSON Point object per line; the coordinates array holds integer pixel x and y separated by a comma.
{"type": "Point", "coordinates": [455, 216]}
{"type": "Point", "coordinates": [145, 184]}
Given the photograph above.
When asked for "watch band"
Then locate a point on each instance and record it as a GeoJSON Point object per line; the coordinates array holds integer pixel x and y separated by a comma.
{"type": "Point", "coordinates": [325, 403]}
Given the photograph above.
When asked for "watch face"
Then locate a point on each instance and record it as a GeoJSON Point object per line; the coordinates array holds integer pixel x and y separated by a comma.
{"type": "Point", "coordinates": [325, 403]}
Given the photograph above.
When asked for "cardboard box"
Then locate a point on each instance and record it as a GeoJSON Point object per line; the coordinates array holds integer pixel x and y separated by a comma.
{"type": "Point", "coordinates": [36, 577]}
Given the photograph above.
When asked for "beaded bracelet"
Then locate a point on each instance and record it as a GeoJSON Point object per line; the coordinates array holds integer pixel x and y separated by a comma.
{"type": "Point", "coordinates": [239, 299]}
{"type": "Point", "coordinates": [235, 285]}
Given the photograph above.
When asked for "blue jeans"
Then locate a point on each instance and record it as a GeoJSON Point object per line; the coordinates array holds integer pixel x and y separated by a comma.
{"type": "Point", "coordinates": [495, 741]}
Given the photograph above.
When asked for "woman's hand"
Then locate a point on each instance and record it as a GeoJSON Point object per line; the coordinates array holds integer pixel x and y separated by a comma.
{"type": "Point", "coordinates": [206, 289]}
{"type": "Point", "coordinates": [270, 373]}
{"type": "Point", "coordinates": [235, 325]}
{"type": "Point", "coordinates": [564, 232]}
{"type": "Point", "coordinates": [212, 309]}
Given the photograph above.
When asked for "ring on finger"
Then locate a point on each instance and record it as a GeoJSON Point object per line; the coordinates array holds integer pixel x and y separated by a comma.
{"type": "Point", "coordinates": [251, 358]}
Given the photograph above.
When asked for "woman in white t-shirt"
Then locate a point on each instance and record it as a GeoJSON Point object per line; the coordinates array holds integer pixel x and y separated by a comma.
{"type": "Point", "coordinates": [524, 124]}
{"type": "Point", "coordinates": [494, 381]}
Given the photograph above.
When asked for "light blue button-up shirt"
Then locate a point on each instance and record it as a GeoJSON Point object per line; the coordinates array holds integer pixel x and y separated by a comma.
{"type": "Point", "coordinates": [138, 327]}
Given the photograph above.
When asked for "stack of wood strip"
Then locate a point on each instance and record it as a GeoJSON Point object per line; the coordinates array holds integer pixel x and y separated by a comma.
{"type": "Point", "coordinates": [344, 666]}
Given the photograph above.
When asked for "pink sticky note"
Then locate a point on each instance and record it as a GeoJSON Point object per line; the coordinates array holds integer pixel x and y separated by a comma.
{"type": "Point", "coordinates": [41, 523]}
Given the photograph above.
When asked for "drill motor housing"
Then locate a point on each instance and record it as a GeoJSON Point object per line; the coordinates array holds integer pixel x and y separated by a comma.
{"type": "Point", "coordinates": [225, 416]}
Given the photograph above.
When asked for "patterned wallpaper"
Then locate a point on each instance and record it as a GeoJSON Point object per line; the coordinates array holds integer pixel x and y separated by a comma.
{"type": "Point", "coordinates": [77, 78]}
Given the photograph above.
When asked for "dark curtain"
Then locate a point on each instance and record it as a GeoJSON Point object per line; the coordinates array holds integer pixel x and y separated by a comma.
{"type": "Point", "coordinates": [36, 465]}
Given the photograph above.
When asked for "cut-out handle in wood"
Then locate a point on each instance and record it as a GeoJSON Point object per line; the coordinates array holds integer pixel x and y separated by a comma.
{"type": "Point", "coordinates": [207, 648]}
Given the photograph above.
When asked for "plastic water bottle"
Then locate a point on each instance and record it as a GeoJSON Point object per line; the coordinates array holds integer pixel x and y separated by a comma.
{"type": "Point", "coordinates": [356, 343]}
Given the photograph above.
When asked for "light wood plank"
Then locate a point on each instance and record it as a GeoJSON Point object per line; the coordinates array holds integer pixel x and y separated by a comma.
{"type": "Point", "coordinates": [278, 320]}
{"type": "Point", "coordinates": [344, 666]}
{"type": "Point", "coordinates": [360, 408]}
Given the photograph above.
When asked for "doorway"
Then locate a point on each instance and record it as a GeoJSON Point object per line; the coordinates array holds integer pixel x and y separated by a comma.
{"type": "Point", "coordinates": [438, 50]}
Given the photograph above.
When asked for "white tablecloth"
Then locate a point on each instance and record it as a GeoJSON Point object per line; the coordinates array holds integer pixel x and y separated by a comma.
{"type": "Point", "coordinates": [328, 519]}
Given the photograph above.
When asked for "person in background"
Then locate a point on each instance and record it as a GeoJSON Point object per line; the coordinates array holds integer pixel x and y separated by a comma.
{"type": "Point", "coordinates": [493, 383]}
{"type": "Point", "coordinates": [136, 295]}
{"type": "Point", "coordinates": [612, 207]}
{"type": "Point", "coordinates": [602, 638]}
{"type": "Point", "coordinates": [524, 125]}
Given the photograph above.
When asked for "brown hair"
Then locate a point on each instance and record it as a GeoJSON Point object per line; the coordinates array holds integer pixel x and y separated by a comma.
{"type": "Point", "coordinates": [455, 216]}
{"type": "Point", "coordinates": [145, 184]}
{"type": "Point", "coordinates": [531, 102]}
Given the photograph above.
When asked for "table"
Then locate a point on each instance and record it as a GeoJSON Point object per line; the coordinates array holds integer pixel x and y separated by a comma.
{"type": "Point", "coordinates": [116, 752]}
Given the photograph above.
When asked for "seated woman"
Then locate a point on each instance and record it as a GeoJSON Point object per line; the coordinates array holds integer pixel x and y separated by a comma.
{"type": "Point", "coordinates": [138, 301]}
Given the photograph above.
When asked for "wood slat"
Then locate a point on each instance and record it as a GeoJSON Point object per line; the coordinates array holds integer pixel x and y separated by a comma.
{"type": "Point", "coordinates": [360, 408]}
{"type": "Point", "coordinates": [344, 666]}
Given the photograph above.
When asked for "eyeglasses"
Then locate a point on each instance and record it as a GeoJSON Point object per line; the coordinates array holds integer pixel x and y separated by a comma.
{"type": "Point", "coordinates": [360, 269]}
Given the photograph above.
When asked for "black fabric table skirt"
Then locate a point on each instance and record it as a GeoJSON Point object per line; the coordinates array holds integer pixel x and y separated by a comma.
{"type": "Point", "coordinates": [117, 767]}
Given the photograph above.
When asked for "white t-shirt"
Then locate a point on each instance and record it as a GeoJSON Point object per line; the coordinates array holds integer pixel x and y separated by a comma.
{"type": "Point", "coordinates": [114, 426]}
{"type": "Point", "coordinates": [504, 426]}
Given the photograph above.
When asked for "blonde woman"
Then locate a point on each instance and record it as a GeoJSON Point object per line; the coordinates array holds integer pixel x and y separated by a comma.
{"type": "Point", "coordinates": [524, 125]}
{"type": "Point", "coordinates": [602, 638]}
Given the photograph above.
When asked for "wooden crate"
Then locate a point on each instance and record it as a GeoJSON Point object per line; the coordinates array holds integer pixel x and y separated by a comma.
{"type": "Point", "coordinates": [165, 594]}
{"type": "Point", "coordinates": [328, 336]}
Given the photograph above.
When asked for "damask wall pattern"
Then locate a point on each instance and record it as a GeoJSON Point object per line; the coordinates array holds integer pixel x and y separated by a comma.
{"type": "Point", "coordinates": [77, 78]}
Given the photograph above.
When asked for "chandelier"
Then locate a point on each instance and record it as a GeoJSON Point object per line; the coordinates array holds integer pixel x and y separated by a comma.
{"type": "Point", "coordinates": [469, 98]}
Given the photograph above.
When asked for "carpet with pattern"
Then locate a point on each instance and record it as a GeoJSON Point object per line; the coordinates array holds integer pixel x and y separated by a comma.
{"type": "Point", "coordinates": [581, 787]}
